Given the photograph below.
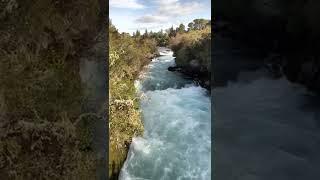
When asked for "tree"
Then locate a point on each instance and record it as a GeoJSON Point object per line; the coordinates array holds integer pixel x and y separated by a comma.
{"type": "Point", "coordinates": [145, 35]}
{"type": "Point", "coordinates": [112, 28]}
{"type": "Point", "coordinates": [138, 33]}
{"type": "Point", "coordinates": [190, 26]}
{"type": "Point", "coordinates": [172, 32]}
{"type": "Point", "coordinates": [161, 32]}
{"type": "Point", "coordinates": [209, 23]}
{"type": "Point", "coordinates": [181, 28]}
{"type": "Point", "coordinates": [200, 24]}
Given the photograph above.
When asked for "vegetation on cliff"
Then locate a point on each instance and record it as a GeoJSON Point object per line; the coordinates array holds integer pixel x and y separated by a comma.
{"type": "Point", "coordinates": [41, 126]}
{"type": "Point", "coordinates": [192, 50]}
{"type": "Point", "coordinates": [127, 56]}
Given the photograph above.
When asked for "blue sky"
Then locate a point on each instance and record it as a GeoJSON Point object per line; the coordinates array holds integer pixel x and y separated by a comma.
{"type": "Point", "coordinates": [130, 15]}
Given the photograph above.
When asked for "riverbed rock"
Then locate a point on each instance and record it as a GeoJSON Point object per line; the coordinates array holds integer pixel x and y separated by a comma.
{"type": "Point", "coordinates": [174, 68]}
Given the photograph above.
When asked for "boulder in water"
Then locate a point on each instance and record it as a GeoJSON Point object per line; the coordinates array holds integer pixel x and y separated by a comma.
{"type": "Point", "coordinates": [174, 68]}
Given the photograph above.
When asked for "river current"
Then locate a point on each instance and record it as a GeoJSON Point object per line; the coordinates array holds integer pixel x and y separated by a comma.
{"type": "Point", "coordinates": [176, 115]}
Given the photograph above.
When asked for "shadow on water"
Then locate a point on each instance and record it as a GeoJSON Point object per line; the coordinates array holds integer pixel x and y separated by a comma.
{"type": "Point", "coordinates": [312, 105]}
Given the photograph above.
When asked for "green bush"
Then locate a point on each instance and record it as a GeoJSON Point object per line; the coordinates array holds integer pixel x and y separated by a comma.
{"type": "Point", "coordinates": [127, 56]}
{"type": "Point", "coordinates": [193, 45]}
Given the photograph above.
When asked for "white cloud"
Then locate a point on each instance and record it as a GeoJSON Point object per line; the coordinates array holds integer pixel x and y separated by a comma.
{"type": "Point", "coordinates": [152, 19]}
{"type": "Point", "coordinates": [167, 9]}
{"type": "Point", "coordinates": [130, 4]}
{"type": "Point", "coordinates": [175, 8]}
{"type": "Point", "coordinates": [152, 27]}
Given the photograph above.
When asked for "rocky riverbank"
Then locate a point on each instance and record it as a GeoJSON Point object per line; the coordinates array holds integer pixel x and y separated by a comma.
{"type": "Point", "coordinates": [198, 74]}
{"type": "Point", "coordinates": [192, 50]}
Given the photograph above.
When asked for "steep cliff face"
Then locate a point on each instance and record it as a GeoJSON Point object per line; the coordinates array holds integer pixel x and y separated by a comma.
{"type": "Point", "coordinates": [288, 28]}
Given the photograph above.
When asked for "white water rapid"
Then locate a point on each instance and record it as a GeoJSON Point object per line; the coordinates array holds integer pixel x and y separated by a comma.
{"type": "Point", "coordinates": [176, 114]}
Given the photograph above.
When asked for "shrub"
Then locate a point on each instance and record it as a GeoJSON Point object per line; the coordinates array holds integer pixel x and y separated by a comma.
{"type": "Point", "coordinates": [195, 44]}
{"type": "Point", "coordinates": [127, 56]}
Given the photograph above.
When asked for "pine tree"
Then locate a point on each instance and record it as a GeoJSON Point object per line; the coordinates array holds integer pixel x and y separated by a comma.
{"type": "Point", "coordinates": [138, 33]}
{"type": "Point", "coordinates": [145, 35]}
{"type": "Point", "coordinates": [172, 32]}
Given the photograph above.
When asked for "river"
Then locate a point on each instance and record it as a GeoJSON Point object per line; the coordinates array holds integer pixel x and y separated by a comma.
{"type": "Point", "coordinates": [176, 114]}
{"type": "Point", "coordinates": [265, 128]}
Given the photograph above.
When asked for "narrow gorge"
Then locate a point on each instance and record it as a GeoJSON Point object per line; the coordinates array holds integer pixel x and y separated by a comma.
{"type": "Point", "coordinates": [176, 114]}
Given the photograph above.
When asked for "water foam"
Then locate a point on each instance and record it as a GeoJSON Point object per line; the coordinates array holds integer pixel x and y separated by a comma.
{"type": "Point", "coordinates": [176, 143]}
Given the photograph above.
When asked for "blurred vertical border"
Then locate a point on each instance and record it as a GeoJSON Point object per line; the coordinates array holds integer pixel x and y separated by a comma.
{"type": "Point", "coordinates": [53, 89]}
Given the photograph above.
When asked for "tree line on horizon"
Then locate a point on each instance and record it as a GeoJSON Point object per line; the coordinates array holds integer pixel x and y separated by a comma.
{"type": "Point", "coordinates": [163, 36]}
